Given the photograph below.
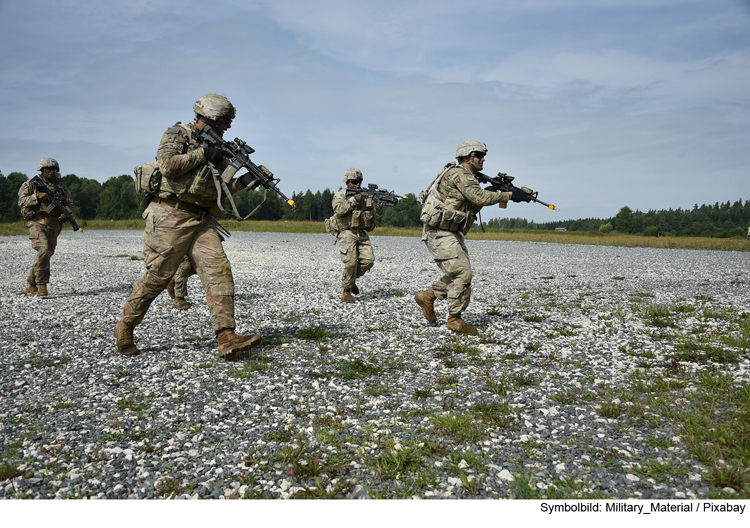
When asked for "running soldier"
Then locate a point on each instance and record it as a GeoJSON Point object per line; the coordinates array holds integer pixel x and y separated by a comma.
{"type": "Point", "coordinates": [354, 217]}
{"type": "Point", "coordinates": [450, 207]}
{"type": "Point", "coordinates": [180, 222]}
{"type": "Point", "coordinates": [44, 222]}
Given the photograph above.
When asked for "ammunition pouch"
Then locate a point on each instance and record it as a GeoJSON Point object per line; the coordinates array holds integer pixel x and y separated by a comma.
{"type": "Point", "coordinates": [436, 214]}
{"type": "Point", "coordinates": [147, 178]}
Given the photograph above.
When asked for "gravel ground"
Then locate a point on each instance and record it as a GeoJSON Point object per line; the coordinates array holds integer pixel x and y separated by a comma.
{"type": "Point", "coordinates": [365, 400]}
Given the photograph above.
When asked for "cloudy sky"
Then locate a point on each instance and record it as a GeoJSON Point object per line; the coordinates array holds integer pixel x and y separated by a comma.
{"type": "Point", "coordinates": [597, 104]}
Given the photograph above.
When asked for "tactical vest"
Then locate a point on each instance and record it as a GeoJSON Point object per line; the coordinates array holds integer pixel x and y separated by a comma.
{"type": "Point", "coordinates": [197, 185]}
{"type": "Point", "coordinates": [436, 213]}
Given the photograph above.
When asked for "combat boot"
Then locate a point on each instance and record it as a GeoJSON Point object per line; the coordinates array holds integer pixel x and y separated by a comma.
{"type": "Point", "coordinates": [41, 290]}
{"type": "Point", "coordinates": [170, 288]}
{"type": "Point", "coordinates": [347, 297]}
{"type": "Point", "coordinates": [457, 325]}
{"type": "Point", "coordinates": [124, 335]}
{"type": "Point", "coordinates": [181, 304]}
{"type": "Point", "coordinates": [231, 344]}
{"type": "Point", "coordinates": [426, 301]}
{"type": "Point", "coordinates": [31, 283]}
{"type": "Point", "coordinates": [355, 290]}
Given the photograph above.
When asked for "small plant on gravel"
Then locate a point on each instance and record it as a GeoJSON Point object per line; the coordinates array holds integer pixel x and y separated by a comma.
{"type": "Point", "coordinates": [171, 488]}
{"type": "Point", "coordinates": [395, 462]}
{"type": "Point", "coordinates": [357, 369]}
{"type": "Point", "coordinates": [8, 470]}
{"type": "Point", "coordinates": [700, 351]}
{"type": "Point", "coordinates": [610, 410]}
{"type": "Point", "coordinates": [460, 427]}
{"type": "Point", "coordinates": [498, 414]}
{"type": "Point", "coordinates": [317, 333]}
{"type": "Point", "coordinates": [663, 443]}
{"type": "Point", "coordinates": [421, 394]}
{"type": "Point", "coordinates": [727, 477]}
{"type": "Point", "coordinates": [533, 318]}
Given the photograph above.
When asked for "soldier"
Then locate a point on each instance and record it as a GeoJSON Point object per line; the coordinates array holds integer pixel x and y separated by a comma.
{"type": "Point", "coordinates": [177, 287]}
{"type": "Point", "coordinates": [44, 222]}
{"type": "Point", "coordinates": [180, 222]}
{"type": "Point", "coordinates": [450, 206]}
{"type": "Point", "coordinates": [354, 217]}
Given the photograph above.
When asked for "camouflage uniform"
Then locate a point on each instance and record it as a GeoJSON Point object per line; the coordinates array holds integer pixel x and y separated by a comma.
{"type": "Point", "coordinates": [355, 219]}
{"type": "Point", "coordinates": [181, 276]}
{"type": "Point", "coordinates": [180, 222]}
{"type": "Point", "coordinates": [461, 197]}
{"type": "Point", "coordinates": [44, 226]}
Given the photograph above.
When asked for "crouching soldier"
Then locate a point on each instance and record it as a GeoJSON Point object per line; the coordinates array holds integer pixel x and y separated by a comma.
{"type": "Point", "coordinates": [354, 217]}
{"type": "Point", "coordinates": [44, 222]}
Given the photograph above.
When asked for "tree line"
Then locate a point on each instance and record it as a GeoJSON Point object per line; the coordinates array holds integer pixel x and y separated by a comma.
{"type": "Point", "coordinates": [721, 220]}
{"type": "Point", "coordinates": [116, 199]}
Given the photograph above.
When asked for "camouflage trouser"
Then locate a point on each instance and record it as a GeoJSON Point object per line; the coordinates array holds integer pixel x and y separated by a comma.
{"type": "Point", "coordinates": [452, 257]}
{"type": "Point", "coordinates": [356, 254]}
{"type": "Point", "coordinates": [44, 241]}
{"type": "Point", "coordinates": [185, 271]}
{"type": "Point", "coordinates": [170, 235]}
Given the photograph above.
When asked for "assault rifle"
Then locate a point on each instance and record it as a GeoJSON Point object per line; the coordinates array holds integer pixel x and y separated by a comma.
{"type": "Point", "coordinates": [382, 196]}
{"type": "Point", "coordinates": [240, 158]}
{"type": "Point", "coordinates": [56, 200]}
{"type": "Point", "coordinates": [503, 183]}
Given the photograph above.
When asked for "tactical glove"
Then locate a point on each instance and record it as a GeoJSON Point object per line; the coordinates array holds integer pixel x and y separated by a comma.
{"type": "Point", "coordinates": [62, 218]}
{"type": "Point", "coordinates": [42, 197]}
{"type": "Point", "coordinates": [520, 195]}
{"type": "Point", "coordinates": [215, 155]}
{"type": "Point", "coordinates": [248, 179]}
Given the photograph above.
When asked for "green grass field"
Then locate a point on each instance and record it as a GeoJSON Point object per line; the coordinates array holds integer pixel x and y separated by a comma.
{"type": "Point", "coordinates": [522, 235]}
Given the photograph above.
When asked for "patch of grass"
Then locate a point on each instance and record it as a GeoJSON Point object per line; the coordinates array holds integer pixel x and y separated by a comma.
{"type": "Point", "coordinates": [459, 427]}
{"type": "Point", "coordinates": [699, 351]}
{"type": "Point", "coordinates": [533, 318]}
{"type": "Point", "coordinates": [618, 278]}
{"type": "Point", "coordinates": [171, 488]}
{"type": "Point", "coordinates": [420, 394]}
{"type": "Point", "coordinates": [318, 333]}
{"type": "Point", "coordinates": [258, 364]}
{"type": "Point", "coordinates": [357, 369]}
{"type": "Point", "coordinates": [610, 410]}
{"type": "Point", "coordinates": [396, 462]}
{"type": "Point", "coordinates": [727, 477]}
{"type": "Point", "coordinates": [663, 443]}
{"type": "Point", "coordinates": [498, 414]}
{"type": "Point", "coordinates": [8, 470]}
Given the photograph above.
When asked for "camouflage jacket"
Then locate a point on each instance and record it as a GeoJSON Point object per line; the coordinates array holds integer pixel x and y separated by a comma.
{"type": "Point", "coordinates": [186, 174]}
{"type": "Point", "coordinates": [454, 199]}
{"type": "Point", "coordinates": [353, 214]}
{"type": "Point", "coordinates": [32, 210]}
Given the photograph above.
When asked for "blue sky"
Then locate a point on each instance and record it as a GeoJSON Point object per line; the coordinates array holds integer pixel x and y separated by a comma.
{"type": "Point", "coordinates": [597, 104]}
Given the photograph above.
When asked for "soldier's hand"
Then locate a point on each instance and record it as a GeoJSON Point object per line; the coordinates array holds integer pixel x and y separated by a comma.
{"type": "Point", "coordinates": [42, 197]}
{"type": "Point", "coordinates": [216, 155]}
{"type": "Point", "coordinates": [62, 217]}
{"type": "Point", "coordinates": [519, 195]}
{"type": "Point", "coordinates": [248, 179]}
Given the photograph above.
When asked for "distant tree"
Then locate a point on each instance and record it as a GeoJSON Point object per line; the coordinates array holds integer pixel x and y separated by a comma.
{"type": "Point", "coordinates": [118, 200]}
{"type": "Point", "coordinates": [9, 210]}
{"type": "Point", "coordinates": [404, 214]}
{"type": "Point", "coordinates": [624, 220]}
{"type": "Point", "coordinates": [606, 228]}
{"type": "Point", "coordinates": [85, 195]}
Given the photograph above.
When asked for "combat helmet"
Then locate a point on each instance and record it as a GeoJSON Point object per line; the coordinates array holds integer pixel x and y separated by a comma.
{"type": "Point", "coordinates": [467, 147]}
{"type": "Point", "coordinates": [214, 106]}
{"type": "Point", "coordinates": [47, 163]}
{"type": "Point", "coordinates": [352, 174]}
